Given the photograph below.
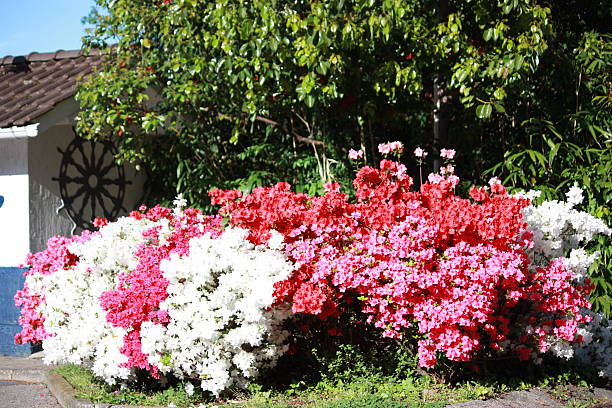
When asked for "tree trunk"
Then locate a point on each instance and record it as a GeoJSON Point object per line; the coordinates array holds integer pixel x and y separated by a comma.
{"type": "Point", "coordinates": [440, 125]}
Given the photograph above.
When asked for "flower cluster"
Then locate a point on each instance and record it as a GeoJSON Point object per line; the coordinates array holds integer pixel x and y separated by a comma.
{"type": "Point", "coordinates": [77, 325]}
{"type": "Point", "coordinates": [54, 258]}
{"type": "Point", "coordinates": [560, 232]}
{"type": "Point", "coordinates": [419, 153]}
{"type": "Point", "coordinates": [558, 228]}
{"type": "Point", "coordinates": [137, 295]}
{"type": "Point", "coordinates": [456, 269]}
{"type": "Point", "coordinates": [355, 154]}
{"type": "Point", "coordinates": [392, 147]}
{"type": "Point", "coordinates": [221, 328]}
{"type": "Point", "coordinates": [448, 154]}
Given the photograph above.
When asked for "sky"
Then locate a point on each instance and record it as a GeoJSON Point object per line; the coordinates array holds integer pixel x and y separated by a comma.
{"type": "Point", "coordinates": [41, 25]}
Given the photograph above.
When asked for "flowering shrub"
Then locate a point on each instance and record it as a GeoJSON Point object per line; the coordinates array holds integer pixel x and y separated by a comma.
{"type": "Point", "coordinates": [102, 299]}
{"type": "Point", "coordinates": [75, 321]}
{"type": "Point", "coordinates": [55, 258]}
{"type": "Point", "coordinates": [175, 292]}
{"type": "Point", "coordinates": [560, 232]}
{"type": "Point", "coordinates": [456, 269]}
{"type": "Point", "coordinates": [221, 328]}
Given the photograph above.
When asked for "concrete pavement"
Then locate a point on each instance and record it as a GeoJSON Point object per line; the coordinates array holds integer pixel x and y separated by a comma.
{"type": "Point", "coordinates": [537, 398]}
{"type": "Point", "coordinates": [23, 383]}
{"type": "Point", "coordinates": [19, 394]}
{"type": "Point", "coordinates": [26, 382]}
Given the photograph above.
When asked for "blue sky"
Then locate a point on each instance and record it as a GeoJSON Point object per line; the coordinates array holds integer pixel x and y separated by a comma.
{"type": "Point", "coordinates": [41, 25]}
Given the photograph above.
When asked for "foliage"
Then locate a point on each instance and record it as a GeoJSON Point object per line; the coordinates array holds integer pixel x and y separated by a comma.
{"type": "Point", "coordinates": [565, 120]}
{"type": "Point", "coordinates": [368, 401]}
{"type": "Point", "coordinates": [205, 93]}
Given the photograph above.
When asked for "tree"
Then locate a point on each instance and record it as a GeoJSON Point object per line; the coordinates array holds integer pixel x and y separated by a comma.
{"type": "Point", "coordinates": [237, 94]}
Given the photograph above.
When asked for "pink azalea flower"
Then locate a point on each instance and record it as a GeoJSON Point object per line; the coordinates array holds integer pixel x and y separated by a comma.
{"type": "Point", "coordinates": [355, 154]}
{"type": "Point", "coordinates": [420, 153]}
{"type": "Point", "coordinates": [387, 148]}
{"type": "Point", "coordinates": [447, 154]}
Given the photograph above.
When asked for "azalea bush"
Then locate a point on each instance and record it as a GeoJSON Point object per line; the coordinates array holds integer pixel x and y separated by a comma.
{"type": "Point", "coordinates": [103, 298]}
{"type": "Point", "coordinates": [560, 231]}
{"type": "Point", "coordinates": [171, 292]}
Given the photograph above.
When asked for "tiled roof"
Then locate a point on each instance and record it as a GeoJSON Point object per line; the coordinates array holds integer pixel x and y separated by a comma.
{"type": "Point", "coordinates": [32, 85]}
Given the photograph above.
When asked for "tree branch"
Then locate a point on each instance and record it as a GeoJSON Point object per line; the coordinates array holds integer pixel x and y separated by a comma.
{"type": "Point", "coordinates": [296, 135]}
{"type": "Point", "coordinates": [276, 124]}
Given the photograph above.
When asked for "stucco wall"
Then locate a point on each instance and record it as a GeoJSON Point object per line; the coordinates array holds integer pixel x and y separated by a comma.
{"type": "Point", "coordinates": [45, 198]}
{"type": "Point", "coordinates": [13, 157]}
{"type": "Point", "coordinates": [14, 219]}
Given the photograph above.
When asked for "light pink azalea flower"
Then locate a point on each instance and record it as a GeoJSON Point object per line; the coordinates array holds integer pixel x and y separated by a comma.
{"type": "Point", "coordinates": [386, 148]}
{"type": "Point", "coordinates": [401, 171]}
{"type": "Point", "coordinates": [355, 154]}
{"type": "Point", "coordinates": [454, 180]}
{"type": "Point", "coordinates": [494, 180]}
{"type": "Point", "coordinates": [447, 154]}
{"type": "Point", "coordinates": [420, 153]}
{"type": "Point", "coordinates": [448, 170]}
{"type": "Point", "coordinates": [434, 178]}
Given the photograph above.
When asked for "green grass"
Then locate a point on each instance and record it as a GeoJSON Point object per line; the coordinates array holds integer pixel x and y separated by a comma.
{"type": "Point", "coordinates": [348, 377]}
{"type": "Point", "coordinates": [366, 392]}
{"type": "Point", "coordinates": [91, 388]}
{"type": "Point", "coordinates": [362, 391]}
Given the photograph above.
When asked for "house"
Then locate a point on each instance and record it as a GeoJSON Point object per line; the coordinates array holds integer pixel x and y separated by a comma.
{"type": "Point", "coordinates": [52, 182]}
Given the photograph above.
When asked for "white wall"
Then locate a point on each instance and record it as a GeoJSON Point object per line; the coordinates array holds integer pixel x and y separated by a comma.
{"type": "Point", "coordinates": [14, 213]}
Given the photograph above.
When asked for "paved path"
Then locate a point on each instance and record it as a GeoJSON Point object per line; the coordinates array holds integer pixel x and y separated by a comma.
{"type": "Point", "coordinates": [22, 383]}
{"type": "Point", "coordinates": [17, 394]}
{"type": "Point", "coordinates": [537, 398]}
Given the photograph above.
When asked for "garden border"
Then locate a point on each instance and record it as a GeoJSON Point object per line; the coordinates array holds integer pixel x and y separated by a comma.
{"type": "Point", "coordinates": [66, 395]}
{"type": "Point", "coordinates": [31, 370]}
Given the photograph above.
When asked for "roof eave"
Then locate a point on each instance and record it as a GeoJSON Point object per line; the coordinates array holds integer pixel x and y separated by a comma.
{"type": "Point", "coordinates": [19, 132]}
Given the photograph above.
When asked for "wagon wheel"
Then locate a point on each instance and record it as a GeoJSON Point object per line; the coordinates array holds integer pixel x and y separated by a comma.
{"type": "Point", "coordinates": [91, 183]}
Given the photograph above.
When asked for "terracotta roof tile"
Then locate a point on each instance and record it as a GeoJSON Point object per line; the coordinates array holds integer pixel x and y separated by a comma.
{"type": "Point", "coordinates": [32, 85]}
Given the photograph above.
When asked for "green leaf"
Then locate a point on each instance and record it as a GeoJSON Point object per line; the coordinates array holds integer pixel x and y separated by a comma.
{"type": "Point", "coordinates": [488, 34]}
{"type": "Point", "coordinates": [518, 62]}
{"type": "Point", "coordinates": [484, 111]}
{"type": "Point", "coordinates": [310, 100]}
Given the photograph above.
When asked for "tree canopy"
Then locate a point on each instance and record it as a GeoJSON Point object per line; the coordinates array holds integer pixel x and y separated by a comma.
{"type": "Point", "coordinates": [217, 88]}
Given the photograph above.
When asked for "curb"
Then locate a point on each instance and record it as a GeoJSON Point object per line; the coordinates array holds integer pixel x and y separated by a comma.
{"type": "Point", "coordinates": [66, 395]}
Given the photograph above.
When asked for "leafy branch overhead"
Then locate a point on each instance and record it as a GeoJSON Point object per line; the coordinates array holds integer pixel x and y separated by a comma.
{"type": "Point", "coordinates": [198, 74]}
